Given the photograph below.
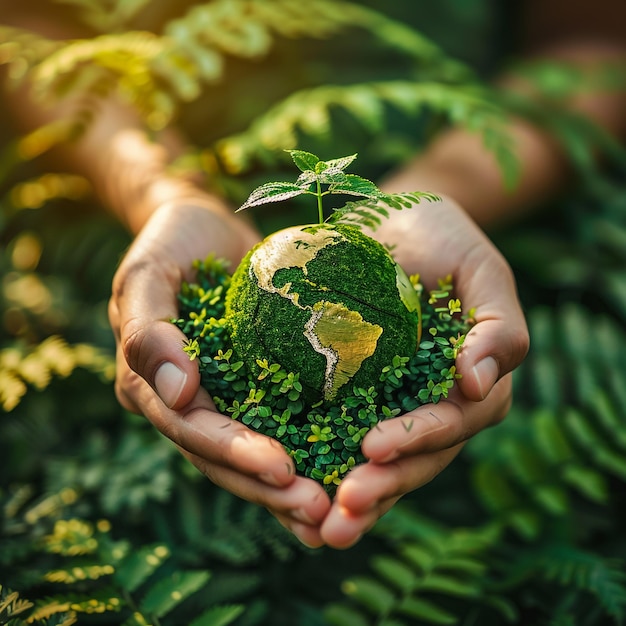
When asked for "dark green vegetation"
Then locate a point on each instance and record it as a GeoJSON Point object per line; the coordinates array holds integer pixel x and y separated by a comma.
{"type": "Point", "coordinates": [99, 513]}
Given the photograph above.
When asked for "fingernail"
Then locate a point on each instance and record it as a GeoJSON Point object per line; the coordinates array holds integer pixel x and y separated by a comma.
{"type": "Point", "coordinates": [486, 374]}
{"type": "Point", "coordinates": [169, 381]}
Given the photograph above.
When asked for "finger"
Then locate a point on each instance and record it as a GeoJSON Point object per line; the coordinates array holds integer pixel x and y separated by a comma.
{"type": "Point", "coordinates": [371, 489]}
{"type": "Point", "coordinates": [205, 433]}
{"type": "Point", "coordinates": [145, 289]}
{"type": "Point", "coordinates": [223, 441]}
{"type": "Point", "coordinates": [127, 384]}
{"type": "Point", "coordinates": [142, 305]}
{"type": "Point", "coordinates": [300, 507]}
{"type": "Point", "coordinates": [343, 527]}
{"type": "Point", "coordinates": [499, 341]}
{"type": "Point", "coordinates": [483, 281]}
{"type": "Point", "coordinates": [434, 427]}
{"type": "Point", "coordinates": [308, 535]}
{"type": "Point", "coordinates": [370, 486]}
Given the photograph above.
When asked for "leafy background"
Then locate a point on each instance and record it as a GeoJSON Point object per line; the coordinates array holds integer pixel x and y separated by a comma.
{"type": "Point", "coordinates": [102, 522]}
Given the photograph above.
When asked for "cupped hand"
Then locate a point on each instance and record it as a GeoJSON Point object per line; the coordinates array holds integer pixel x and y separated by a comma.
{"type": "Point", "coordinates": [155, 378]}
{"type": "Point", "coordinates": [404, 453]}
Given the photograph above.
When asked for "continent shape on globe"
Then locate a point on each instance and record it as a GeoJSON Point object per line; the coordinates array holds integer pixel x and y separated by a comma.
{"type": "Point", "coordinates": [322, 300]}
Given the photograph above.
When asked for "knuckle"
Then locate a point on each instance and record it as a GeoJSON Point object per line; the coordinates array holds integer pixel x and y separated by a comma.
{"type": "Point", "coordinates": [131, 343]}
{"type": "Point", "coordinates": [520, 344]}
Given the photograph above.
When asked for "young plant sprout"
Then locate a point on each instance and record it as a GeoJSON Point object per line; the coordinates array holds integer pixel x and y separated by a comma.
{"type": "Point", "coordinates": [319, 334]}
{"type": "Point", "coordinates": [331, 175]}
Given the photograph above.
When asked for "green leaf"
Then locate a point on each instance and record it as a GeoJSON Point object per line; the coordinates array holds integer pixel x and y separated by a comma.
{"type": "Point", "coordinates": [341, 163]}
{"type": "Point", "coordinates": [370, 593]}
{"type": "Point", "coordinates": [427, 611]}
{"type": "Point", "coordinates": [395, 572]}
{"type": "Point", "coordinates": [449, 585]}
{"type": "Point", "coordinates": [304, 160]}
{"type": "Point", "coordinates": [419, 557]}
{"type": "Point", "coordinates": [219, 615]}
{"type": "Point", "coordinates": [354, 185]}
{"type": "Point", "coordinates": [342, 615]}
{"type": "Point", "coordinates": [588, 481]}
{"type": "Point", "coordinates": [273, 192]}
{"type": "Point", "coordinates": [171, 591]}
{"type": "Point", "coordinates": [140, 564]}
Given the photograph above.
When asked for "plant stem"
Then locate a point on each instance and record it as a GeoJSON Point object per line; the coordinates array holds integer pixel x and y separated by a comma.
{"type": "Point", "coordinates": [320, 212]}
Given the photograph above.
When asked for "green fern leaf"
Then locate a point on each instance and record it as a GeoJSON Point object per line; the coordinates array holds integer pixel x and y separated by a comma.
{"type": "Point", "coordinates": [371, 594]}
{"type": "Point", "coordinates": [588, 482]}
{"type": "Point", "coordinates": [426, 611]}
{"type": "Point", "coordinates": [11, 605]}
{"type": "Point", "coordinates": [139, 565]}
{"type": "Point", "coordinates": [394, 572]}
{"type": "Point", "coordinates": [609, 417]}
{"type": "Point", "coordinates": [553, 444]}
{"type": "Point", "coordinates": [278, 128]}
{"type": "Point", "coordinates": [603, 578]}
{"type": "Point", "coordinates": [219, 616]}
{"type": "Point", "coordinates": [597, 447]}
{"type": "Point", "coordinates": [449, 585]}
{"type": "Point", "coordinates": [420, 557]}
{"type": "Point", "coordinates": [341, 615]}
{"type": "Point", "coordinates": [170, 591]}
{"type": "Point", "coordinates": [493, 486]}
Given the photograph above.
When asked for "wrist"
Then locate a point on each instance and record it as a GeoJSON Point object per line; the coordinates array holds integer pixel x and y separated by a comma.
{"type": "Point", "coordinates": [459, 166]}
{"type": "Point", "coordinates": [131, 173]}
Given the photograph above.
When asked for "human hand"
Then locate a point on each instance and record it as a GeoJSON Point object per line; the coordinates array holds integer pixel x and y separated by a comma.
{"type": "Point", "coordinates": [155, 377]}
{"type": "Point", "coordinates": [408, 451]}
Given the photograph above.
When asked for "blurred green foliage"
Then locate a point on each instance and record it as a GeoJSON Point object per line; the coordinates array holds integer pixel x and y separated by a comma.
{"type": "Point", "coordinates": [102, 522]}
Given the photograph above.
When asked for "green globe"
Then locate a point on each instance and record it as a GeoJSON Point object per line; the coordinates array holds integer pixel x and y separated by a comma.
{"type": "Point", "coordinates": [325, 301]}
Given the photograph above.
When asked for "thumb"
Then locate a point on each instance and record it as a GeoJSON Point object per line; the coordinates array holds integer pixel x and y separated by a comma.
{"type": "Point", "coordinates": [154, 351]}
{"type": "Point", "coordinates": [143, 303]}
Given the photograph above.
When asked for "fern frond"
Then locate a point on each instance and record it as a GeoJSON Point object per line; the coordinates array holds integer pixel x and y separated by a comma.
{"type": "Point", "coordinates": [414, 580]}
{"type": "Point", "coordinates": [107, 15]}
{"type": "Point", "coordinates": [309, 111]}
{"type": "Point", "coordinates": [11, 605]}
{"type": "Point", "coordinates": [35, 193]}
{"type": "Point", "coordinates": [170, 591]}
{"type": "Point", "coordinates": [21, 49]}
{"type": "Point", "coordinates": [565, 436]}
{"type": "Point", "coordinates": [20, 367]}
{"type": "Point", "coordinates": [49, 607]}
{"type": "Point", "coordinates": [71, 537]}
{"type": "Point", "coordinates": [370, 212]}
{"type": "Point", "coordinates": [138, 565]}
{"type": "Point", "coordinates": [219, 616]}
{"type": "Point", "coordinates": [589, 579]}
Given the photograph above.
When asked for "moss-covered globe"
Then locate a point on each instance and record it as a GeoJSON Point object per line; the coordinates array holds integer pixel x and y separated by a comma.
{"type": "Point", "coordinates": [326, 302]}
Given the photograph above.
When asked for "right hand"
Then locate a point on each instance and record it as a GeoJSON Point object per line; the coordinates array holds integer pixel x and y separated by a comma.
{"type": "Point", "coordinates": [155, 378]}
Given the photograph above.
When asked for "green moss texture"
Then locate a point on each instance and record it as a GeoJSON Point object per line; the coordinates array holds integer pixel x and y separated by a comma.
{"type": "Point", "coordinates": [354, 271]}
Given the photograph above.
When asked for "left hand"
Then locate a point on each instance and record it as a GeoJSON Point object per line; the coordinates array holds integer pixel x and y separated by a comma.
{"type": "Point", "coordinates": [408, 451]}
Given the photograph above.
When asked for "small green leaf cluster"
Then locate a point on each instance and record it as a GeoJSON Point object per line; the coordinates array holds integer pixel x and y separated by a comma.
{"type": "Point", "coordinates": [324, 439]}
